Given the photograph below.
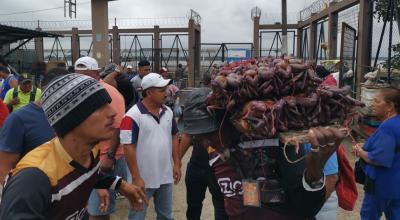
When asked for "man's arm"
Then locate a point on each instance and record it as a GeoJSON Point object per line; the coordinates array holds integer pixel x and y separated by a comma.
{"type": "Point", "coordinates": [110, 79]}
{"type": "Point", "coordinates": [108, 161]}
{"type": "Point", "coordinates": [7, 162]}
{"type": "Point", "coordinates": [8, 97]}
{"type": "Point", "coordinates": [330, 184]}
{"type": "Point", "coordinates": [309, 173]}
{"type": "Point", "coordinates": [20, 202]}
{"type": "Point", "coordinates": [184, 144]}
{"type": "Point", "coordinates": [11, 144]}
{"type": "Point", "coordinates": [176, 158]}
{"type": "Point", "coordinates": [130, 157]}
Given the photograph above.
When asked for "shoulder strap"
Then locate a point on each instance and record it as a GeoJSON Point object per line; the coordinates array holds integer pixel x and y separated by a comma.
{"type": "Point", "coordinates": [33, 94]}
{"type": "Point", "coordinates": [15, 92]}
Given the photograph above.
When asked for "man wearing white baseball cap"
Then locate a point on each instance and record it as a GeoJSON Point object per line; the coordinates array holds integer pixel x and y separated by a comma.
{"type": "Point", "coordinates": [129, 72]}
{"type": "Point", "coordinates": [149, 135]}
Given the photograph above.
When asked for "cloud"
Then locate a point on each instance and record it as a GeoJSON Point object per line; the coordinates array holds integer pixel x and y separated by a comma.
{"type": "Point", "coordinates": [222, 21]}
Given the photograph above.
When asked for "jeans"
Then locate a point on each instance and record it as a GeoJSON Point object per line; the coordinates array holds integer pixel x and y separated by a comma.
{"type": "Point", "coordinates": [197, 180]}
{"type": "Point", "coordinates": [373, 207]}
{"type": "Point", "coordinates": [329, 210]}
{"type": "Point", "coordinates": [120, 169]}
{"type": "Point", "coordinates": [162, 204]}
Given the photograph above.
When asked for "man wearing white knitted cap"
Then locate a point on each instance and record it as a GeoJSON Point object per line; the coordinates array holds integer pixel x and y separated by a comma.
{"type": "Point", "coordinates": [54, 180]}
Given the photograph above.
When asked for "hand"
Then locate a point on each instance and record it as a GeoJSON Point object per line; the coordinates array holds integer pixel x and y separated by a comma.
{"type": "Point", "coordinates": [135, 194]}
{"type": "Point", "coordinates": [177, 173]}
{"type": "Point", "coordinates": [104, 199]}
{"type": "Point", "coordinates": [139, 182]}
{"type": "Point", "coordinates": [325, 142]}
{"type": "Point", "coordinates": [356, 149]}
{"type": "Point", "coordinates": [107, 164]}
{"type": "Point", "coordinates": [14, 101]}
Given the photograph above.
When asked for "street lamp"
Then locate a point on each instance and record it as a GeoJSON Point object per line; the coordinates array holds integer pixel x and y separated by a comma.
{"type": "Point", "coordinates": [255, 13]}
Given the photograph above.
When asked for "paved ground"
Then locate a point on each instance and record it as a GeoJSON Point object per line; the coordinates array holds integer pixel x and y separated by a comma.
{"type": "Point", "coordinates": [208, 212]}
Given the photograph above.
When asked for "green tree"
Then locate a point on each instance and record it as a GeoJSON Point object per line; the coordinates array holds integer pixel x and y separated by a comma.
{"type": "Point", "coordinates": [381, 13]}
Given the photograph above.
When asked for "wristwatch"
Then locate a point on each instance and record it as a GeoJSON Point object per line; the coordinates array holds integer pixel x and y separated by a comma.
{"type": "Point", "coordinates": [317, 184]}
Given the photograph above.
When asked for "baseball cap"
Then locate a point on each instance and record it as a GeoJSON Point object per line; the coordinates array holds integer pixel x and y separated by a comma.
{"type": "Point", "coordinates": [24, 78]}
{"type": "Point", "coordinates": [163, 70]}
{"type": "Point", "coordinates": [129, 67]}
{"type": "Point", "coordinates": [154, 80]}
{"type": "Point", "coordinates": [86, 63]}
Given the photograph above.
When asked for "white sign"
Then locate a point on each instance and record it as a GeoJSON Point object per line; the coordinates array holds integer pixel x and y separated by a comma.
{"type": "Point", "coordinates": [237, 53]}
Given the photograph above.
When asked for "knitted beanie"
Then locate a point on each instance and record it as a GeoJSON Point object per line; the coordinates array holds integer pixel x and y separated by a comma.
{"type": "Point", "coordinates": [70, 99]}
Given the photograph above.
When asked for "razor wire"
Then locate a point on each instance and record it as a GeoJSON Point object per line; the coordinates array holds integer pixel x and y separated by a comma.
{"type": "Point", "coordinates": [87, 24]}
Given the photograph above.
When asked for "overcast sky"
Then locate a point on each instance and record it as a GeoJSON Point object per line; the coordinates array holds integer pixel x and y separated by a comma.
{"type": "Point", "coordinates": [222, 21]}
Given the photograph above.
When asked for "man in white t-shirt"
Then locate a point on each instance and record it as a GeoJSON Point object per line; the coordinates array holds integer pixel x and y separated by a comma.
{"type": "Point", "coordinates": [144, 69]}
{"type": "Point", "coordinates": [148, 133]}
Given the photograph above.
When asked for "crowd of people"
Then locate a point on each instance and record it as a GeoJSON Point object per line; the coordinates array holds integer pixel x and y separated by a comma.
{"type": "Point", "coordinates": [74, 140]}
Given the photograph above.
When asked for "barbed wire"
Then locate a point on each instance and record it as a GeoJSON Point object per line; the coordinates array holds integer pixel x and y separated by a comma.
{"type": "Point", "coordinates": [315, 7]}
{"type": "Point", "coordinates": [87, 24]}
{"type": "Point", "coordinates": [272, 17]}
{"type": "Point", "coordinates": [349, 16]}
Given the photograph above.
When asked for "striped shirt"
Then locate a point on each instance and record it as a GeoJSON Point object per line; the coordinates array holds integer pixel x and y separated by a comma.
{"type": "Point", "coordinates": [48, 184]}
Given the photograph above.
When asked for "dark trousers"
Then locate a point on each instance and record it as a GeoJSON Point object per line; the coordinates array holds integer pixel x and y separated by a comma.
{"type": "Point", "coordinates": [197, 180]}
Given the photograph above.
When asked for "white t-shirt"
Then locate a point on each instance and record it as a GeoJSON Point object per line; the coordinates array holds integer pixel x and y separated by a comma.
{"type": "Point", "coordinates": [153, 139]}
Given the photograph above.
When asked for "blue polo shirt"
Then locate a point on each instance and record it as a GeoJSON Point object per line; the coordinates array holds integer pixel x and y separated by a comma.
{"type": "Point", "coordinates": [25, 129]}
{"type": "Point", "coordinates": [381, 148]}
{"type": "Point", "coordinates": [331, 166]}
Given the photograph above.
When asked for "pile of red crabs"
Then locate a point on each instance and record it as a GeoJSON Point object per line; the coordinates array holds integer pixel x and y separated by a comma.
{"type": "Point", "coordinates": [270, 95]}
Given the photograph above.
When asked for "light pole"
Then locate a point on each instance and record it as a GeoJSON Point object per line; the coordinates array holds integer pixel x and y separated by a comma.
{"type": "Point", "coordinates": [284, 27]}
{"type": "Point", "coordinates": [255, 16]}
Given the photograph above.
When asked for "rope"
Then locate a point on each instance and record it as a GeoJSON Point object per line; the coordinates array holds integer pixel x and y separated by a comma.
{"type": "Point", "coordinates": [297, 150]}
{"type": "Point", "coordinates": [222, 122]}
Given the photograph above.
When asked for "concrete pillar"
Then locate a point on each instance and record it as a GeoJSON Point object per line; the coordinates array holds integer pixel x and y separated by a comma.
{"type": "Point", "coordinates": [75, 45]}
{"type": "Point", "coordinates": [116, 48]}
{"type": "Point", "coordinates": [332, 34]}
{"type": "Point", "coordinates": [194, 52]}
{"type": "Point", "coordinates": [312, 44]}
{"type": "Point", "coordinates": [157, 49]}
{"type": "Point", "coordinates": [256, 37]}
{"type": "Point", "coordinates": [299, 43]}
{"type": "Point", "coordinates": [100, 31]}
{"type": "Point", "coordinates": [284, 28]}
{"type": "Point", "coordinates": [39, 47]}
{"type": "Point", "coordinates": [364, 42]}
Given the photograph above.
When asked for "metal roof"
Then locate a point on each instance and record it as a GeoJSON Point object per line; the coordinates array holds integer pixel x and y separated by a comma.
{"type": "Point", "coordinates": [9, 34]}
